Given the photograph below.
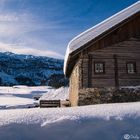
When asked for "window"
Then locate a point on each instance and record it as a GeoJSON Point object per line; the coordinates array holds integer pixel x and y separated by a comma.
{"type": "Point", "coordinates": [131, 68]}
{"type": "Point", "coordinates": [99, 67]}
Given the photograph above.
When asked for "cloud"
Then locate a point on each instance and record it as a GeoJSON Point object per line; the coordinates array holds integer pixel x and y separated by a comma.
{"type": "Point", "coordinates": [28, 28]}
{"type": "Point", "coordinates": [16, 24]}
{"type": "Point", "coordinates": [19, 49]}
{"type": "Point", "coordinates": [8, 18]}
{"type": "Point", "coordinates": [19, 34]}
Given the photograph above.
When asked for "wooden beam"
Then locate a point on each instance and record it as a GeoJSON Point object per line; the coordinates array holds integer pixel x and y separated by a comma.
{"type": "Point", "coordinates": [89, 71]}
{"type": "Point", "coordinates": [116, 71]}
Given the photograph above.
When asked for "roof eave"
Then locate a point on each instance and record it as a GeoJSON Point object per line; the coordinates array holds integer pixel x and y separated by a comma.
{"type": "Point", "coordinates": [71, 49]}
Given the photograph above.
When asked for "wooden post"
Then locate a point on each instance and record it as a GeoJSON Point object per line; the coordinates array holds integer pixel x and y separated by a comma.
{"type": "Point", "coordinates": [116, 71]}
{"type": "Point", "coordinates": [89, 71]}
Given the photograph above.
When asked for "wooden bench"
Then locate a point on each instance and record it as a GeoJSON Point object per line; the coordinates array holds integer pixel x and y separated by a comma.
{"type": "Point", "coordinates": [49, 103]}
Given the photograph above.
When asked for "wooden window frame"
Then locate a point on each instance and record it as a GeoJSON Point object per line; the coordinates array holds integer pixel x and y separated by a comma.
{"type": "Point", "coordinates": [135, 67]}
{"type": "Point", "coordinates": [99, 62]}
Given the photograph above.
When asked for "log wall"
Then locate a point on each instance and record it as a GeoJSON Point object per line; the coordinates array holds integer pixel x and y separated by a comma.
{"type": "Point", "coordinates": [127, 51]}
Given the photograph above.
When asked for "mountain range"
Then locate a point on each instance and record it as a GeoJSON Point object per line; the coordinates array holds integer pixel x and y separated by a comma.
{"type": "Point", "coordinates": [16, 69]}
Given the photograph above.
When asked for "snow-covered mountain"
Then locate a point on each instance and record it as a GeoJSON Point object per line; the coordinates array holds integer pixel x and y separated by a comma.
{"type": "Point", "coordinates": [29, 70]}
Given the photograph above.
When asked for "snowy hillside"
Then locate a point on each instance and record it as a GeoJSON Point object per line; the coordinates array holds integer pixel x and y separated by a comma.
{"type": "Point", "coordinates": [29, 70]}
{"type": "Point", "coordinates": [96, 122]}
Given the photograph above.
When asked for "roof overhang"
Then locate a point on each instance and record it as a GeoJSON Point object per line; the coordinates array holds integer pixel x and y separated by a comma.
{"type": "Point", "coordinates": [93, 33]}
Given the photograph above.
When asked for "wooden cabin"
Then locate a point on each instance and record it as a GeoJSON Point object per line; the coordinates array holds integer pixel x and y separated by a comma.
{"type": "Point", "coordinates": [105, 56]}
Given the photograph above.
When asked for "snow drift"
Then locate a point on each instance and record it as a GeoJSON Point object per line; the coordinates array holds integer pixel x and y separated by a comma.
{"type": "Point", "coordinates": [56, 94]}
{"type": "Point", "coordinates": [99, 122]}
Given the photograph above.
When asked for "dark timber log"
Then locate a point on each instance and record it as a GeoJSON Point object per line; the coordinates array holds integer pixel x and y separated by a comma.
{"type": "Point", "coordinates": [116, 71]}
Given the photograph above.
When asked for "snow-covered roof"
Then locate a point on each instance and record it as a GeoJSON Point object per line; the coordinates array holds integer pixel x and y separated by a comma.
{"type": "Point", "coordinates": [98, 29]}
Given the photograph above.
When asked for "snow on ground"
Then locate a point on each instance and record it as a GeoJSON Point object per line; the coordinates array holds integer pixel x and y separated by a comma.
{"type": "Point", "coordinates": [15, 102]}
{"type": "Point", "coordinates": [20, 96]}
{"type": "Point", "coordinates": [130, 87]}
{"type": "Point", "coordinates": [95, 122]}
{"type": "Point", "coordinates": [24, 90]}
{"type": "Point", "coordinates": [56, 94]}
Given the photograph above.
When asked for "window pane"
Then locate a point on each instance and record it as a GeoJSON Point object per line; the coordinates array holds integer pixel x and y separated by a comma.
{"type": "Point", "coordinates": [131, 68]}
{"type": "Point", "coordinates": [99, 67]}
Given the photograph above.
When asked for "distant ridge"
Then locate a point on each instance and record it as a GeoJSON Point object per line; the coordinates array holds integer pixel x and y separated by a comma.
{"type": "Point", "coordinates": [20, 69]}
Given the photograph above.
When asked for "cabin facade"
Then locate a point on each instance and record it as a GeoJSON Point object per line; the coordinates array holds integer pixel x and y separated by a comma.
{"type": "Point", "coordinates": [105, 56]}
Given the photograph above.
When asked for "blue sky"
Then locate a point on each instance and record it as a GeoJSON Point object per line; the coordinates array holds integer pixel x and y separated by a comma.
{"type": "Point", "coordinates": [44, 27]}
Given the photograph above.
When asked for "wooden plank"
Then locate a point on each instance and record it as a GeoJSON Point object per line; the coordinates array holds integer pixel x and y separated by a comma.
{"type": "Point", "coordinates": [49, 103]}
